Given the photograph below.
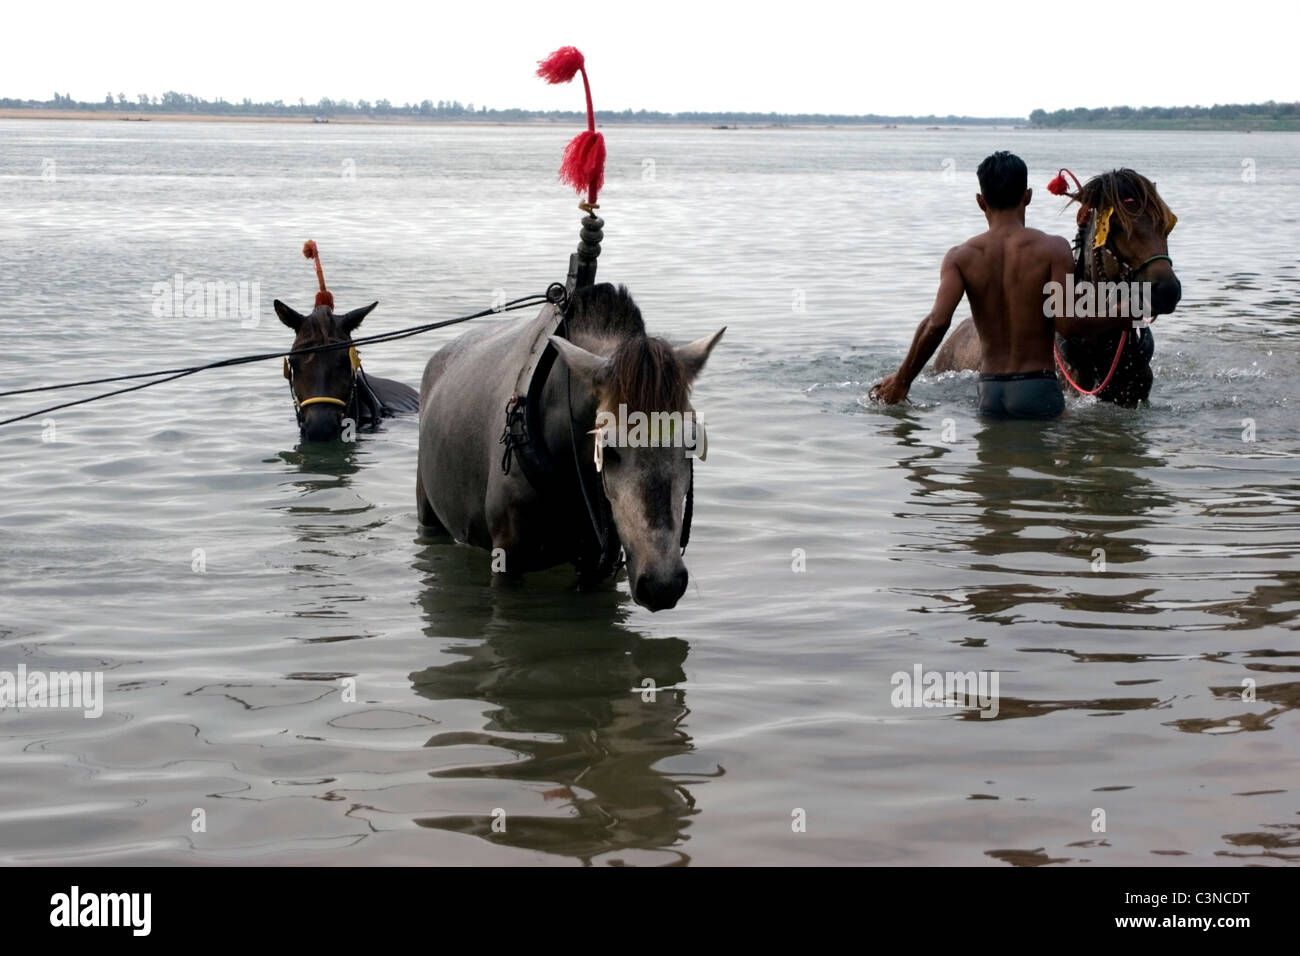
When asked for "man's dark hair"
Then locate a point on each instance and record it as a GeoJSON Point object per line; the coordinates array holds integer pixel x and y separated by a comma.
{"type": "Point", "coordinates": [1003, 179]}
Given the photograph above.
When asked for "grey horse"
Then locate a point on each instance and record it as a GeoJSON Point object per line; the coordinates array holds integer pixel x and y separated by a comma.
{"type": "Point", "coordinates": [543, 502]}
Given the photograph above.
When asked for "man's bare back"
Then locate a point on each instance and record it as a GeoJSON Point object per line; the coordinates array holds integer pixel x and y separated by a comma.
{"type": "Point", "coordinates": [1004, 271]}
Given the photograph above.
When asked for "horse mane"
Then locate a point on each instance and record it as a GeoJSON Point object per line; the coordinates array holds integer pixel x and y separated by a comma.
{"type": "Point", "coordinates": [604, 310]}
{"type": "Point", "coordinates": [644, 372]}
{"type": "Point", "coordinates": [1126, 191]}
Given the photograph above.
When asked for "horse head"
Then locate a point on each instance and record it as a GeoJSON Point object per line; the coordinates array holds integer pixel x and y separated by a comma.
{"type": "Point", "coordinates": [323, 383]}
{"type": "Point", "coordinates": [1122, 242]}
{"type": "Point", "coordinates": [1124, 229]}
{"type": "Point", "coordinates": [642, 437]}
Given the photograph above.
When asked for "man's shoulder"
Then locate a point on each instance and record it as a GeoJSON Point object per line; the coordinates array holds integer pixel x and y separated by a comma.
{"type": "Point", "coordinates": [1046, 239]}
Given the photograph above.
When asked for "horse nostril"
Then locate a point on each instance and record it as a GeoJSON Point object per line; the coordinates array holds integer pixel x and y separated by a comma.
{"type": "Point", "coordinates": [680, 578]}
{"type": "Point", "coordinates": [658, 594]}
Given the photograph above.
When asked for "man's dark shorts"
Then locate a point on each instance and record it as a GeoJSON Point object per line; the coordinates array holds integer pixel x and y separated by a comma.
{"type": "Point", "coordinates": [1021, 395]}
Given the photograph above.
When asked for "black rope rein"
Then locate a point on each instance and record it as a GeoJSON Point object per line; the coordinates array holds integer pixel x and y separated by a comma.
{"type": "Point", "coordinates": [170, 375]}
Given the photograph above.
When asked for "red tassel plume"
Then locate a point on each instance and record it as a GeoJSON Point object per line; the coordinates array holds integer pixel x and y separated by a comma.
{"type": "Point", "coordinates": [583, 166]}
{"type": "Point", "coordinates": [323, 297]}
{"type": "Point", "coordinates": [562, 65]}
{"type": "Point", "coordinates": [1059, 187]}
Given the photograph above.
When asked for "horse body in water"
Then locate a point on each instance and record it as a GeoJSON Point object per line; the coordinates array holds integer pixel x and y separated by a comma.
{"type": "Point", "coordinates": [329, 386]}
{"type": "Point", "coordinates": [1122, 238]}
{"type": "Point", "coordinates": [566, 511]}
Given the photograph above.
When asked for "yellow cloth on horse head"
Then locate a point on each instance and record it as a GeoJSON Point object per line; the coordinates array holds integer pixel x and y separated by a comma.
{"type": "Point", "coordinates": [1103, 225]}
{"type": "Point", "coordinates": [1103, 228]}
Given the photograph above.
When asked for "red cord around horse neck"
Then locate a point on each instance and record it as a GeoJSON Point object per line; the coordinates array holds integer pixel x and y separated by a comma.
{"type": "Point", "coordinates": [1123, 337]}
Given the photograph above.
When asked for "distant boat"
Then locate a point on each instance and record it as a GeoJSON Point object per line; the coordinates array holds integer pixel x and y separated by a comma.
{"type": "Point", "coordinates": [320, 119]}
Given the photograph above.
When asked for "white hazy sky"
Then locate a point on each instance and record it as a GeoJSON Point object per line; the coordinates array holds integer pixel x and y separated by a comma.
{"type": "Point", "coordinates": [911, 57]}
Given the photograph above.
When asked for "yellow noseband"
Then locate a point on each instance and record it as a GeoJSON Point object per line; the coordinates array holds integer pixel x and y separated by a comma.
{"type": "Point", "coordinates": [323, 400]}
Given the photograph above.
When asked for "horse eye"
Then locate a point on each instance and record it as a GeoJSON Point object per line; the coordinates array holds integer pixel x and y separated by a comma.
{"type": "Point", "coordinates": [611, 455]}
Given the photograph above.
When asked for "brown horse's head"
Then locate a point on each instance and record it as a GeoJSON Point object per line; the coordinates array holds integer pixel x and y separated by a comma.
{"type": "Point", "coordinates": [1123, 239]}
{"type": "Point", "coordinates": [322, 382]}
{"type": "Point", "coordinates": [646, 432]}
{"type": "Point", "coordinates": [1124, 229]}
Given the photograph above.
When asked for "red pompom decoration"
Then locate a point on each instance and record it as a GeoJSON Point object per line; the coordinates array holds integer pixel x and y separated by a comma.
{"type": "Point", "coordinates": [583, 166]}
{"type": "Point", "coordinates": [561, 66]}
{"type": "Point", "coordinates": [323, 297]}
{"type": "Point", "coordinates": [1059, 187]}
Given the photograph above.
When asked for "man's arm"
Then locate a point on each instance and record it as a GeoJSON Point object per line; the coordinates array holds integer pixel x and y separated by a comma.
{"type": "Point", "coordinates": [1066, 323]}
{"type": "Point", "coordinates": [928, 335]}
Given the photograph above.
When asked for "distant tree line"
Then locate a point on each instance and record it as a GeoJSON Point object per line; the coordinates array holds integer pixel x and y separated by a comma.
{"type": "Point", "coordinates": [1270, 115]}
{"type": "Point", "coordinates": [173, 102]}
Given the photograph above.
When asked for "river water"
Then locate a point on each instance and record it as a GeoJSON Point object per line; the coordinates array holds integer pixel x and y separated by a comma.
{"type": "Point", "coordinates": [293, 674]}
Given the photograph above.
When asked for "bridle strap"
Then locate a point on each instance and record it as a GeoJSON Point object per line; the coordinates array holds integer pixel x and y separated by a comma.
{"type": "Point", "coordinates": [323, 400]}
{"type": "Point", "coordinates": [1148, 262]}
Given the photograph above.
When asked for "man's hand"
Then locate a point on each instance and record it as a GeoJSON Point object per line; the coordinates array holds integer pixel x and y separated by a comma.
{"type": "Point", "coordinates": [928, 335]}
{"type": "Point", "coordinates": [891, 391]}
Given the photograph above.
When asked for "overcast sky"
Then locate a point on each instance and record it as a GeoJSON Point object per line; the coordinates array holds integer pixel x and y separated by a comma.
{"type": "Point", "coordinates": [918, 57]}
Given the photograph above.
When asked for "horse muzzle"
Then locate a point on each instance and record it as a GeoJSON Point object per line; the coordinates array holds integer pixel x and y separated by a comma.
{"type": "Point", "coordinates": [1166, 292]}
{"type": "Point", "coordinates": [660, 591]}
{"type": "Point", "coordinates": [322, 422]}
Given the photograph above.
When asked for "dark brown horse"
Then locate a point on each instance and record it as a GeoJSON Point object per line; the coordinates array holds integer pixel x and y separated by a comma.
{"type": "Point", "coordinates": [329, 387]}
{"type": "Point", "coordinates": [1122, 237]}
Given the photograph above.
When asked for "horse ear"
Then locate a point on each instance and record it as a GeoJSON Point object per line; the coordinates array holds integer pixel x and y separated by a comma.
{"type": "Point", "coordinates": [350, 320]}
{"type": "Point", "coordinates": [287, 315]}
{"type": "Point", "coordinates": [694, 356]}
{"type": "Point", "coordinates": [586, 365]}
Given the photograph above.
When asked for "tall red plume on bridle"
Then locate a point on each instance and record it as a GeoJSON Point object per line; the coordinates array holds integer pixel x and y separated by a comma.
{"type": "Point", "coordinates": [1059, 187]}
{"type": "Point", "coordinates": [583, 166]}
{"type": "Point", "coordinates": [323, 297]}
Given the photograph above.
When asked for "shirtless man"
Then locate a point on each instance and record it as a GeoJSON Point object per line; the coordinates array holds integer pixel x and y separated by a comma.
{"type": "Point", "coordinates": [1002, 273]}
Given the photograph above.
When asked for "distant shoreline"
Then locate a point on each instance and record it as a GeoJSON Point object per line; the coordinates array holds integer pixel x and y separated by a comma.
{"type": "Point", "coordinates": [10, 112]}
{"type": "Point", "coordinates": [136, 116]}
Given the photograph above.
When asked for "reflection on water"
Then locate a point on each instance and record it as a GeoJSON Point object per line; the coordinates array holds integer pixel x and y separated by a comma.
{"type": "Point", "coordinates": [323, 465]}
{"type": "Point", "coordinates": [581, 711]}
